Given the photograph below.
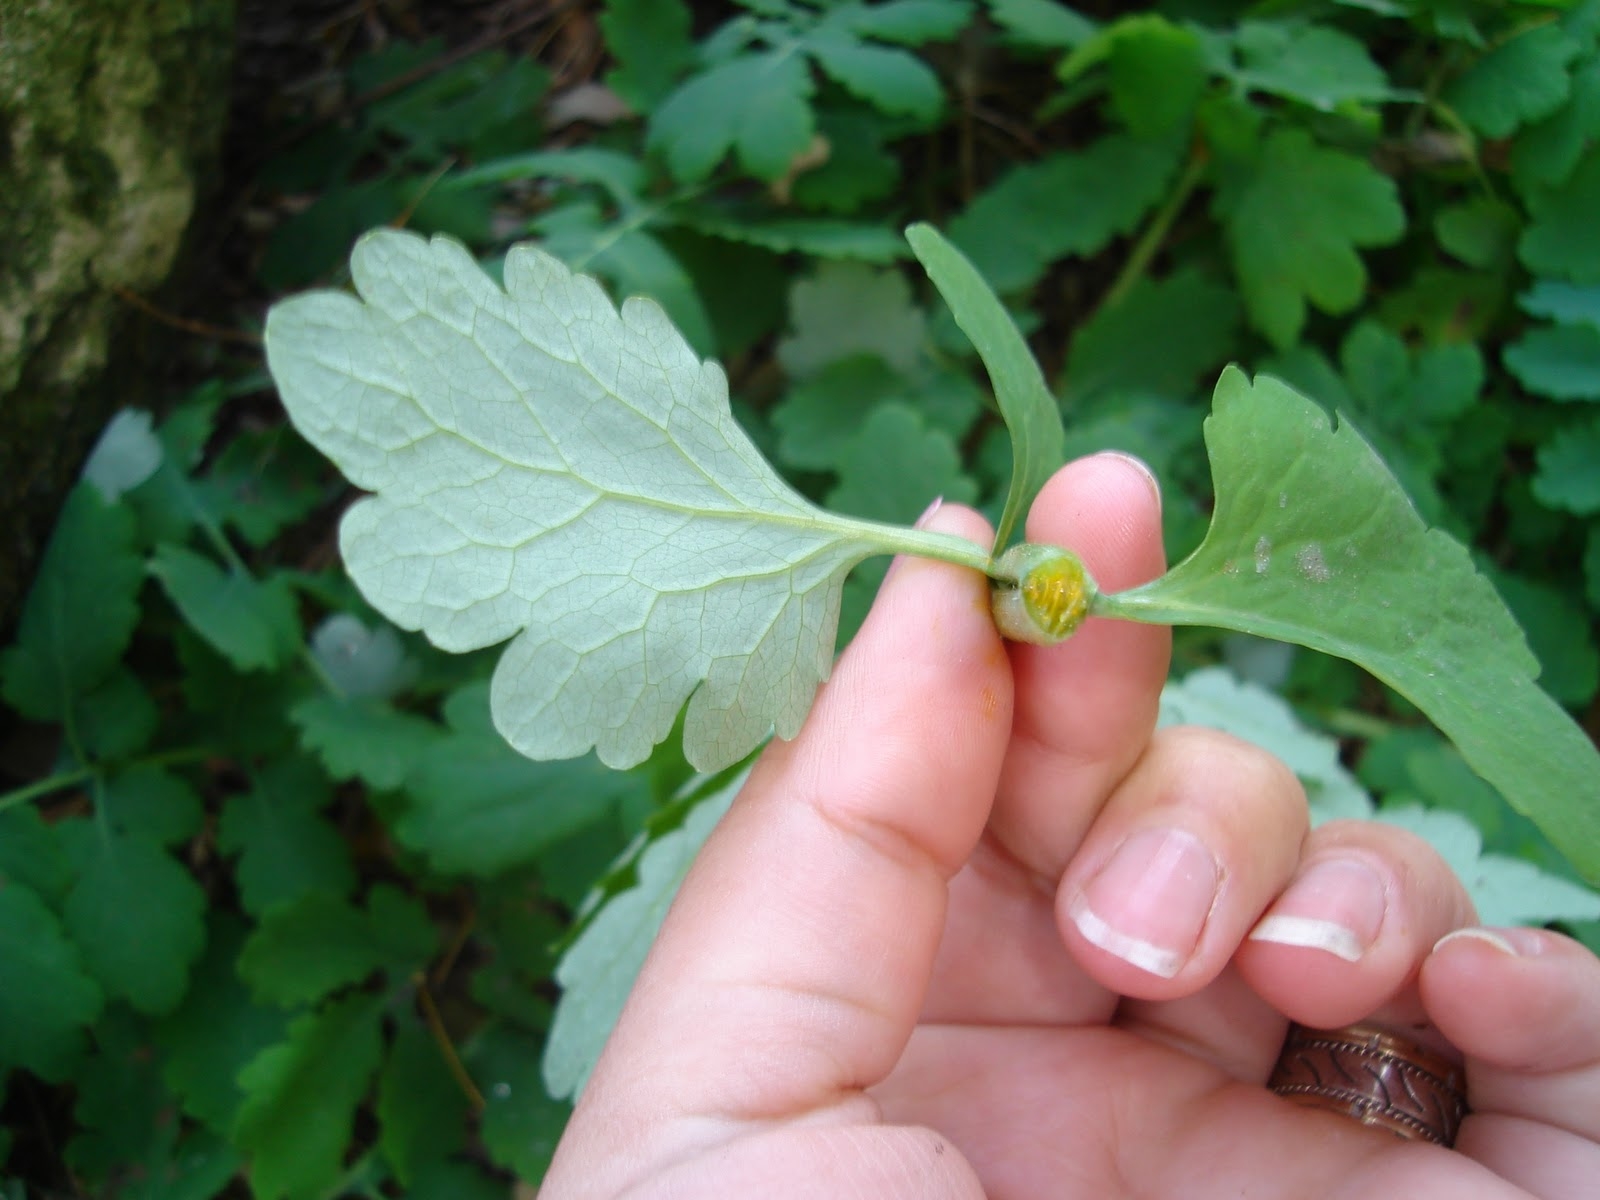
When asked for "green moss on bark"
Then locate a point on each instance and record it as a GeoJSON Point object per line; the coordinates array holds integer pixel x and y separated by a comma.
{"type": "Point", "coordinates": [110, 119]}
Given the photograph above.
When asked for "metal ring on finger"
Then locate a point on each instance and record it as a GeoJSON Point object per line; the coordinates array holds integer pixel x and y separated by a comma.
{"type": "Point", "coordinates": [1375, 1077]}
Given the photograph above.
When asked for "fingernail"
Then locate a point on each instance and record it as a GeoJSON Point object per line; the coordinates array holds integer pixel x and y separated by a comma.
{"type": "Point", "coordinates": [1478, 935]}
{"type": "Point", "coordinates": [1141, 466]}
{"type": "Point", "coordinates": [927, 513]}
{"type": "Point", "coordinates": [1149, 904]}
{"type": "Point", "coordinates": [1336, 905]}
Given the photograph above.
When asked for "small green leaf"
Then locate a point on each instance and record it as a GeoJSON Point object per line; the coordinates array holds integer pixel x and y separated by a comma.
{"type": "Point", "coordinates": [253, 624]}
{"type": "Point", "coordinates": [603, 507]}
{"type": "Point", "coordinates": [1568, 477]}
{"type": "Point", "coordinates": [363, 739]}
{"type": "Point", "coordinates": [153, 803]}
{"type": "Point", "coordinates": [1313, 542]}
{"type": "Point", "coordinates": [285, 847]}
{"type": "Point", "coordinates": [1521, 80]}
{"type": "Point", "coordinates": [1313, 64]}
{"type": "Point", "coordinates": [819, 237]}
{"type": "Point", "coordinates": [909, 22]}
{"type": "Point", "coordinates": [1505, 891]}
{"type": "Point", "coordinates": [421, 1111]}
{"type": "Point", "coordinates": [520, 1125]}
{"type": "Point", "coordinates": [1559, 361]}
{"type": "Point", "coordinates": [895, 464]}
{"type": "Point", "coordinates": [846, 309]}
{"type": "Point", "coordinates": [1564, 303]}
{"type": "Point", "coordinates": [455, 1181]}
{"type": "Point", "coordinates": [216, 1030]}
{"type": "Point", "coordinates": [301, 1097]}
{"type": "Point", "coordinates": [1160, 337]}
{"type": "Point", "coordinates": [31, 854]}
{"type": "Point", "coordinates": [1067, 204]}
{"type": "Point", "coordinates": [124, 1112]}
{"type": "Point", "coordinates": [757, 104]}
{"type": "Point", "coordinates": [1030, 410]}
{"type": "Point", "coordinates": [1560, 241]}
{"type": "Point", "coordinates": [818, 420]}
{"type": "Point", "coordinates": [116, 719]}
{"type": "Point", "coordinates": [649, 39]}
{"type": "Point", "coordinates": [361, 662]}
{"type": "Point", "coordinates": [1546, 153]}
{"type": "Point", "coordinates": [261, 483]}
{"type": "Point", "coordinates": [312, 945]}
{"type": "Point", "coordinates": [80, 611]}
{"type": "Point", "coordinates": [1481, 233]}
{"type": "Point", "coordinates": [1157, 73]}
{"type": "Point", "coordinates": [1046, 24]}
{"type": "Point", "coordinates": [137, 915]}
{"type": "Point", "coordinates": [1294, 222]}
{"type": "Point", "coordinates": [891, 80]}
{"type": "Point", "coordinates": [860, 168]}
{"type": "Point", "coordinates": [46, 996]}
{"type": "Point", "coordinates": [127, 453]}
{"type": "Point", "coordinates": [597, 971]}
{"type": "Point", "coordinates": [1557, 628]}
{"type": "Point", "coordinates": [479, 808]}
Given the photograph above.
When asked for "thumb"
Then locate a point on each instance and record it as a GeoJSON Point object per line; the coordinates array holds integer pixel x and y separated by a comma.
{"type": "Point", "coordinates": [790, 971]}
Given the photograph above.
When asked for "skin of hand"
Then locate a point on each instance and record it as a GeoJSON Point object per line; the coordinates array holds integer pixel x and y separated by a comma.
{"type": "Point", "coordinates": [980, 930]}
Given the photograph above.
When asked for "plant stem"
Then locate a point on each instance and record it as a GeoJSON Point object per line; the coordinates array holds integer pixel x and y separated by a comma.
{"type": "Point", "coordinates": [65, 779]}
{"type": "Point", "coordinates": [441, 1037]}
{"type": "Point", "coordinates": [1155, 233]}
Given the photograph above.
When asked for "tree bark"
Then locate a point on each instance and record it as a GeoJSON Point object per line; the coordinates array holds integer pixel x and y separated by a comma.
{"type": "Point", "coordinates": [111, 115]}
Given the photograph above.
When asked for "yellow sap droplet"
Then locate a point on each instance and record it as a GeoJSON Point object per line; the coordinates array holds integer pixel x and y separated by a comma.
{"type": "Point", "coordinates": [1056, 595]}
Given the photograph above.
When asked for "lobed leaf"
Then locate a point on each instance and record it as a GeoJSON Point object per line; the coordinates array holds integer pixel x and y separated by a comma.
{"type": "Point", "coordinates": [1013, 231]}
{"type": "Point", "coordinates": [46, 996]}
{"type": "Point", "coordinates": [285, 847]}
{"type": "Point", "coordinates": [1313, 542]}
{"type": "Point", "coordinates": [478, 807]}
{"type": "Point", "coordinates": [80, 611]}
{"type": "Point", "coordinates": [252, 624]}
{"type": "Point", "coordinates": [301, 1097]}
{"type": "Point", "coordinates": [306, 948]}
{"type": "Point", "coordinates": [1521, 80]}
{"type": "Point", "coordinates": [135, 912]}
{"type": "Point", "coordinates": [1567, 476]}
{"type": "Point", "coordinates": [555, 471]}
{"type": "Point", "coordinates": [758, 105]}
{"type": "Point", "coordinates": [420, 1108]}
{"type": "Point", "coordinates": [216, 1030]}
{"type": "Point", "coordinates": [597, 971]}
{"type": "Point", "coordinates": [1294, 221]}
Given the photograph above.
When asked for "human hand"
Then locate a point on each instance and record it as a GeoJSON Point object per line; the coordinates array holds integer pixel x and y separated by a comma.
{"type": "Point", "coordinates": [911, 961]}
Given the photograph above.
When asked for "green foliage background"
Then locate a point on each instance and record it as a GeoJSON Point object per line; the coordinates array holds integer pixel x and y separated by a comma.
{"type": "Point", "coordinates": [280, 913]}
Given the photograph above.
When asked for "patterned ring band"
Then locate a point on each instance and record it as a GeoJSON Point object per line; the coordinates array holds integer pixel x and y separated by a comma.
{"type": "Point", "coordinates": [1367, 1073]}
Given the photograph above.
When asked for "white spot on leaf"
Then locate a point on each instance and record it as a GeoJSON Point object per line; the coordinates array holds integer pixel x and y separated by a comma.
{"type": "Point", "coordinates": [1311, 563]}
{"type": "Point", "coordinates": [1263, 555]}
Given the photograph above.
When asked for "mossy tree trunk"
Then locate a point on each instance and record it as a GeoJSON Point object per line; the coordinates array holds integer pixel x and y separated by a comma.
{"type": "Point", "coordinates": [111, 114]}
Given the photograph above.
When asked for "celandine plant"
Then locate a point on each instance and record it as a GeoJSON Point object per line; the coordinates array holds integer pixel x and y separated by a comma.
{"type": "Point", "coordinates": [553, 470]}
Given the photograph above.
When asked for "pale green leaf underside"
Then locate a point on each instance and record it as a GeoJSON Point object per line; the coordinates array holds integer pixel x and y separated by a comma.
{"type": "Point", "coordinates": [1313, 542]}
{"type": "Point", "coordinates": [551, 470]}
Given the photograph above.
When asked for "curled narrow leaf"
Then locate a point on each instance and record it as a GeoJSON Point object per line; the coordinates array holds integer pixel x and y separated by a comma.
{"type": "Point", "coordinates": [1031, 413]}
{"type": "Point", "coordinates": [556, 471]}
